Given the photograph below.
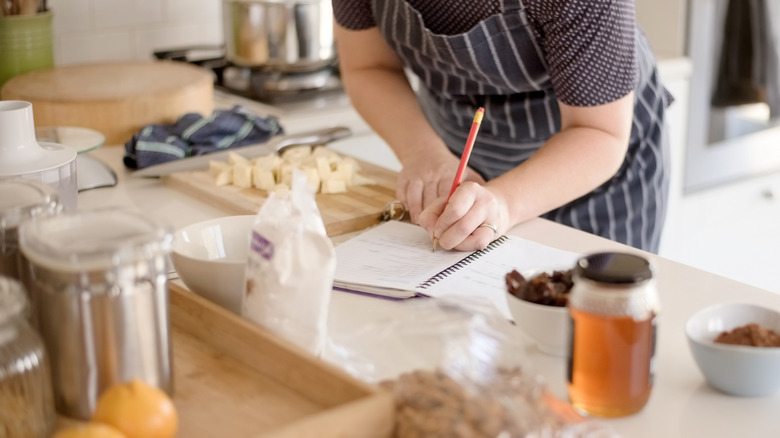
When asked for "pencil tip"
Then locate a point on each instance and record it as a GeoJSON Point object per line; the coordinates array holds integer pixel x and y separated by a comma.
{"type": "Point", "coordinates": [435, 244]}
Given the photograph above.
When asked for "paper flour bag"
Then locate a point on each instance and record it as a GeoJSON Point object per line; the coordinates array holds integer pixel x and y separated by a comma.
{"type": "Point", "coordinates": [290, 268]}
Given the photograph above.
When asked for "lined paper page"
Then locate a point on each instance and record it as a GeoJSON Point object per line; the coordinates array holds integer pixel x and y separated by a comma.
{"type": "Point", "coordinates": [393, 255]}
{"type": "Point", "coordinates": [398, 255]}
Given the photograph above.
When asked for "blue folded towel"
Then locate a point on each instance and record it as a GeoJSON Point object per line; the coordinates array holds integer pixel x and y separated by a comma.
{"type": "Point", "coordinates": [194, 134]}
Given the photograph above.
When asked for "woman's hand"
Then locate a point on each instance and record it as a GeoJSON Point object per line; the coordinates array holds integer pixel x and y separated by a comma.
{"type": "Point", "coordinates": [456, 224]}
{"type": "Point", "coordinates": [428, 176]}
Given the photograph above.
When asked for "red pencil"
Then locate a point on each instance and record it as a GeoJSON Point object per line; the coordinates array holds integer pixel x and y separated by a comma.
{"type": "Point", "coordinates": [464, 159]}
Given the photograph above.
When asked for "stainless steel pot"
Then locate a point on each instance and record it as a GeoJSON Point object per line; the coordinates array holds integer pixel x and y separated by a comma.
{"type": "Point", "coordinates": [279, 35]}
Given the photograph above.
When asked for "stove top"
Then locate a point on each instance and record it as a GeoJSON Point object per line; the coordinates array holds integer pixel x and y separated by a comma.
{"type": "Point", "coordinates": [262, 85]}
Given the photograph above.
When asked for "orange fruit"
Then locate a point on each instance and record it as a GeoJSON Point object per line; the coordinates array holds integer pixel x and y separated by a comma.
{"type": "Point", "coordinates": [138, 410]}
{"type": "Point", "coordinates": [90, 430]}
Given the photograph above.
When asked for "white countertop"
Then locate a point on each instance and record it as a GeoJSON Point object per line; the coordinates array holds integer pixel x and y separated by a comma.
{"type": "Point", "coordinates": [681, 405]}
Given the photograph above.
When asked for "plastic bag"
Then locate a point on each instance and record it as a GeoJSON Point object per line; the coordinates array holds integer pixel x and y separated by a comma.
{"type": "Point", "coordinates": [290, 268]}
{"type": "Point", "coordinates": [457, 370]}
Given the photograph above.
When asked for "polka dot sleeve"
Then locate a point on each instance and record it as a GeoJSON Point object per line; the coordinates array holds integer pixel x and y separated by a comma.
{"type": "Point", "coordinates": [590, 46]}
{"type": "Point", "coordinates": [353, 14]}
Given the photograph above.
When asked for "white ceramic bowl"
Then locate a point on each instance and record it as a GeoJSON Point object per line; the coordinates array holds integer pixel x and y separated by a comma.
{"type": "Point", "coordinates": [547, 326]}
{"type": "Point", "coordinates": [735, 369]}
{"type": "Point", "coordinates": [210, 258]}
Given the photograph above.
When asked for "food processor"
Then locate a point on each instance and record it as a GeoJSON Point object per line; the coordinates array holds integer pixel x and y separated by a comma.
{"type": "Point", "coordinates": [22, 156]}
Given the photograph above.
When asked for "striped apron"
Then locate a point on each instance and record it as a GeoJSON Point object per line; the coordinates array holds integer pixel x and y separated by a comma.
{"type": "Point", "coordinates": [499, 65]}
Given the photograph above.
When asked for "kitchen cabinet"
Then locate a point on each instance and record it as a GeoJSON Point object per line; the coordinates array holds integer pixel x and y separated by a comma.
{"type": "Point", "coordinates": [731, 230]}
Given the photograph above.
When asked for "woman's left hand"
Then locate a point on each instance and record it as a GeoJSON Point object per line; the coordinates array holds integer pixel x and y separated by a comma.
{"type": "Point", "coordinates": [464, 222]}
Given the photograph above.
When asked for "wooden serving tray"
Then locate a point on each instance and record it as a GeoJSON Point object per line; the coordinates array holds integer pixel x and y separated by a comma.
{"type": "Point", "coordinates": [233, 379]}
{"type": "Point", "coordinates": [359, 208]}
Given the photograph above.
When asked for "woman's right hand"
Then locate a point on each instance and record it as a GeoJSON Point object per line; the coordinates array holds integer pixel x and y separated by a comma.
{"type": "Point", "coordinates": [427, 176]}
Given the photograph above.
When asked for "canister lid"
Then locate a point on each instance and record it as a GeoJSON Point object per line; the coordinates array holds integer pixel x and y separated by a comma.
{"type": "Point", "coordinates": [22, 198]}
{"type": "Point", "coordinates": [94, 239]}
{"type": "Point", "coordinates": [614, 268]}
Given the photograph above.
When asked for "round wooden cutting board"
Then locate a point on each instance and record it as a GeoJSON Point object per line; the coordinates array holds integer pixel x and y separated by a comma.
{"type": "Point", "coordinates": [116, 99]}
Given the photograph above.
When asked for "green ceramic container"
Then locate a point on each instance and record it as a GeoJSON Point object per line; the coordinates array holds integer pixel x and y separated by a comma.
{"type": "Point", "coordinates": [26, 44]}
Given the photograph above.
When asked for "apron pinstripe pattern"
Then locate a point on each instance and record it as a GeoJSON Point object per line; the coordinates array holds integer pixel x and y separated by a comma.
{"type": "Point", "coordinates": [499, 65]}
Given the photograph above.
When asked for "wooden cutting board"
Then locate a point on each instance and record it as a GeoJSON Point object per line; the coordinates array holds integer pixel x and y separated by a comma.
{"type": "Point", "coordinates": [115, 99]}
{"type": "Point", "coordinates": [358, 208]}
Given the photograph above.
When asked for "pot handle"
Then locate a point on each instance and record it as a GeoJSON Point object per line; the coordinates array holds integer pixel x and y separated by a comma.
{"type": "Point", "coordinates": [320, 136]}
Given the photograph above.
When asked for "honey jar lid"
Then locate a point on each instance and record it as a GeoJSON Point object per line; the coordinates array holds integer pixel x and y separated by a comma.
{"type": "Point", "coordinates": [614, 268]}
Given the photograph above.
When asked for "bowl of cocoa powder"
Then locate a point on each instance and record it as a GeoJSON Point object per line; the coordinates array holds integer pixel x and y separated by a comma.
{"type": "Point", "coordinates": [737, 347]}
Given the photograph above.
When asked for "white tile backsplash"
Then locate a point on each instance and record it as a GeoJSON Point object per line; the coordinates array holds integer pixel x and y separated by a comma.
{"type": "Point", "coordinates": [93, 47]}
{"type": "Point", "coordinates": [75, 17]}
{"type": "Point", "coordinates": [87, 31]}
{"type": "Point", "coordinates": [125, 14]}
{"type": "Point", "coordinates": [203, 11]}
{"type": "Point", "coordinates": [178, 35]}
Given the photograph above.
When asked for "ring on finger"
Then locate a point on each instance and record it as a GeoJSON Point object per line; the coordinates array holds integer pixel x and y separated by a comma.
{"type": "Point", "coordinates": [491, 226]}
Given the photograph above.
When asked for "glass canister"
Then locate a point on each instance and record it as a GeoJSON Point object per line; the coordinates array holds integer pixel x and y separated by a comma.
{"type": "Point", "coordinates": [101, 278]}
{"type": "Point", "coordinates": [613, 307]}
{"type": "Point", "coordinates": [26, 401]}
{"type": "Point", "coordinates": [20, 200]}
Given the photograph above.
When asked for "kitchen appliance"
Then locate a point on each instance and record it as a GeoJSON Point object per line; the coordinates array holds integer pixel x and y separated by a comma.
{"type": "Point", "coordinates": [279, 35]}
{"type": "Point", "coordinates": [262, 84]}
{"type": "Point", "coordinates": [275, 51]}
{"type": "Point", "coordinates": [21, 155]}
{"type": "Point", "coordinates": [732, 136]}
{"type": "Point", "coordinates": [92, 173]}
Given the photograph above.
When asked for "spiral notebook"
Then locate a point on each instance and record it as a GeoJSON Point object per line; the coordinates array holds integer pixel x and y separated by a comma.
{"type": "Point", "coordinates": [395, 260]}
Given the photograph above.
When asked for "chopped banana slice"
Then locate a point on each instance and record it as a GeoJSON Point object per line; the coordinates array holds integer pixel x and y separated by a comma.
{"type": "Point", "coordinates": [285, 174]}
{"type": "Point", "coordinates": [242, 175]}
{"type": "Point", "coordinates": [263, 179]}
{"type": "Point", "coordinates": [323, 167]}
{"type": "Point", "coordinates": [296, 154]}
{"type": "Point", "coordinates": [345, 171]}
{"type": "Point", "coordinates": [224, 177]}
{"type": "Point", "coordinates": [331, 155]}
{"type": "Point", "coordinates": [217, 167]}
{"type": "Point", "coordinates": [314, 178]}
{"type": "Point", "coordinates": [281, 189]}
{"type": "Point", "coordinates": [326, 170]}
{"type": "Point", "coordinates": [333, 186]}
{"type": "Point", "coordinates": [269, 162]}
{"type": "Point", "coordinates": [235, 159]}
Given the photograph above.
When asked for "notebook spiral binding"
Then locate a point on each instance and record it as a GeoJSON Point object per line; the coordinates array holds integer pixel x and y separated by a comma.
{"type": "Point", "coordinates": [462, 263]}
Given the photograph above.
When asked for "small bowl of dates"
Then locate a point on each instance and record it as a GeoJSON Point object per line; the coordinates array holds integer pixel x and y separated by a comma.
{"type": "Point", "coordinates": [538, 303]}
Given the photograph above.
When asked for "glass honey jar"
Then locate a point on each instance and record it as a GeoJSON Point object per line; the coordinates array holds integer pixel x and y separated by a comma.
{"type": "Point", "coordinates": [613, 307]}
